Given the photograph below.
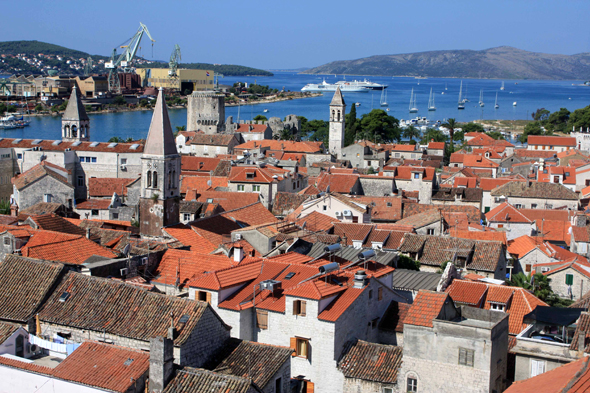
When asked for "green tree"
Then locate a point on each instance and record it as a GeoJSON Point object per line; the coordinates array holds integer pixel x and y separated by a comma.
{"type": "Point", "coordinates": [4, 207]}
{"type": "Point", "coordinates": [3, 108]}
{"type": "Point", "coordinates": [116, 139]}
{"type": "Point", "coordinates": [450, 125]}
{"type": "Point", "coordinates": [408, 263]}
{"type": "Point", "coordinates": [579, 118]}
{"type": "Point", "coordinates": [260, 117]}
{"type": "Point", "coordinates": [532, 128]}
{"type": "Point", "coordinates": [472, 127]}
{"type": "Point", "coordinates": [495, 134]}
{"type": "Point", "coordinates": [120, 100]}
{"type": "Point", "coordinates": [540, 114]}
{"type": "Point", "coordinates": [540, 285]}
{"type": "Point", "coordinates": [432, 134]}
{"type": "Point", "coordinates": [351, 126]}
{"type": "Point", "coordinates": [459, 136]}
{"type": "Point", "coordinates": [411, 132]}
{"type": "Point", "coordinates": [63, 105]}
{"type": "Point", "coordinates": [319, 130]}
{"type": "Point", "coordinates": [180, 128]}
{"type": "Point", "coordinates": [285, 135]}
{"type": "Point", "coordinates": [379, 127]}
{"type": "Point", "coordinates": [39, 108]}
{"type": "Point", "coordinates": [558, 120]}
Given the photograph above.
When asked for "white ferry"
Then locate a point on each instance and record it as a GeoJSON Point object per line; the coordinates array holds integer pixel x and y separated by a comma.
{"type": "Point", "coordinates": [344, 87]}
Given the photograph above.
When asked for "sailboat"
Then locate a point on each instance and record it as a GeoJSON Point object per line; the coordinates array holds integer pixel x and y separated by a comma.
{"type": "Point", "coordinates": [384, 98]}
{"type": "Point", "coordinates": [502, 88]}
{"type": "Point", "coordinates": [481, 98]}
{"type": "Point", "coordinates": [413, 108]}
{"type": "Point", "coordinates": [431, 106]}
{"type": "Point", "coordinates": [465, 96]}
{"type": "Point", "coordinates": [496, 106]}
{"type": "Point", "coordinates": [461, 102]}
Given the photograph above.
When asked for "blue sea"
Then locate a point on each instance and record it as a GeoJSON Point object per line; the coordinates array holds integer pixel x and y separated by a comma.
{"type": "Point", "coordinates": [529, 95]}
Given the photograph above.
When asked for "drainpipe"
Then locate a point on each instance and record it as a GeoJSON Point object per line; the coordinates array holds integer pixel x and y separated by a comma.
{"type": "Point", "coordinates": [117, 165]}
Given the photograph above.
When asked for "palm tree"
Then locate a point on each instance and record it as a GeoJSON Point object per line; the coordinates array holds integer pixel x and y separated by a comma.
{"type": "Point", "coordinates": [451, 124]}
{"type": "Point", "coordinates": [411, 132]}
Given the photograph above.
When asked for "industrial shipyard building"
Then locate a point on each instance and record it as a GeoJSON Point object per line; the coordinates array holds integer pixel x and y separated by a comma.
{"type": "Point", "coordinates": [187, 79]}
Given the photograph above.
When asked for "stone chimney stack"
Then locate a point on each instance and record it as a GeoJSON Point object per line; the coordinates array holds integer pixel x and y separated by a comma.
{"type": "Point", "coordinates": [161, 363]}
{"type": "Point", "coordinates": [581, 343]}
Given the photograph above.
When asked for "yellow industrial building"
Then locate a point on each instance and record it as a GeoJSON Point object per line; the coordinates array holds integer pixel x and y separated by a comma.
{"type": "Point", "coordinates": [187, 79]}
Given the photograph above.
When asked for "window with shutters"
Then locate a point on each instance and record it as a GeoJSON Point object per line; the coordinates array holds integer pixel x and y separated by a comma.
{"type": "Point", "coordinates": [412, 384]}
{"type": "Point", "coordinates": [204, 296]}
{"type": "Point", "coordinates": [537, 367]}
{"type": "Point", "coordinates": [466, 357]}
{"type": "Point", "coordinates": [262, 319]}
{"type": "Point", "coordinates": [380, 293]}
{"type": "Point", "coordinates": [300, 347]}
{"type": "Point", "coordinates": [569, 279]}
{"type": "Point", "coordinates": [299, 307]}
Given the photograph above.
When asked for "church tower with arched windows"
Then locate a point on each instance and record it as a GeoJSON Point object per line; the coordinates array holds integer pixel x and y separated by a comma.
{"type": "Point", "coordinates": [337, 112]}
{"type": "Point", "coordinates": [75, 124]}
{"type": "Point", "coordinates": [159, 205]}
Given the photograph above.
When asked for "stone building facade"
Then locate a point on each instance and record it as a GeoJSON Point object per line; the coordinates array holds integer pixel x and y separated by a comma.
{"type": "Point", "coordinates": [206, 112]}
{"type": "Point", "coordinates": [337, 124]}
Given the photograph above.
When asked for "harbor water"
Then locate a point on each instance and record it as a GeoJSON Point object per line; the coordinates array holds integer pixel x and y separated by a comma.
{"type": "Point", "coordinates": [529, 95]}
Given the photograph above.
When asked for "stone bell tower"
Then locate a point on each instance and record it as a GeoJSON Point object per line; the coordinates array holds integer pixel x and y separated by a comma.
{"type": "Point", "coordinates": [159, 205]}
{"type": "Point", "coordinates": [75, 124]}
{"type": "Point", "coordinates": [336, 135]}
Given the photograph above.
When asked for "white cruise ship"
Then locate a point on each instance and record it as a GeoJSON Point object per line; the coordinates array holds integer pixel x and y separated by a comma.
{"type": "Point", "coordinates": [365, 83]}
{"type": "Point", "coordinates": [345, 87]}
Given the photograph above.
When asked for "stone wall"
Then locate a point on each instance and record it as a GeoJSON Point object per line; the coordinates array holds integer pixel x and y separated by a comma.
{"type": "Point", "coordinates": [206, 112]}
{"type": "Point", "coordinates": [580, 286]}
{"type": "Point", "coordinates": [378, 186]}
{"type": "Point", "coordinates": [354, 385]}
{"type": "Point", "coordinates": [514, 229]}
{"type": "Point", "coordinates": [34, 193]}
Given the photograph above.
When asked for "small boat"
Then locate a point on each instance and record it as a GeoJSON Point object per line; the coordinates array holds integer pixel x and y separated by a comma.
{"type": "Point", "coordinates": [496, 106]}
{"type": "Point", "coordinates": [384, 98]}
{"type": "Point", "coordinates": [265, 111]}
{"type": "Point", "coordinates": [413, 108]}
{"type": "Point", "coordinates": [442, 92]}
{"type": "Point", "coordinates": [357, 104]}
{"type": "Point", "coordinates": [514, 103]}
{"type": "Point", "coordinates": [502, 88]}
{"type": "Point", "coordinates": [481, 103]}
{"type": "Point", "coordinates": [446, 88]}
{"type": "Point", "coordinates": [387, 109]}
{"type": "Point", "coordinates": [431, 106]}
{"type": "Point", "coordinates": [461, 102]}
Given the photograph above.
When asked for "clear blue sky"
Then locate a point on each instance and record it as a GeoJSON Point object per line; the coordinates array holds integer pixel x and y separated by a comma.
{"type": "Point", "coordinates": [292, 34]}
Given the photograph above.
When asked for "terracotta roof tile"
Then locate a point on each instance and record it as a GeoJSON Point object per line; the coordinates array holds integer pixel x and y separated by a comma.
{"type": "Point", "coordinates": [371, 362]}
{"type": "Point", "coordinates": [426, 307]}
{"type": "Point", "coordinates": [105, 187]}
{"type": "Point", "coordinates": [188, 237]}
{"type": "Point", "coordinates": [468, 292]}
{"type": "Point", "coordinates": [52, 222]}
{"type": "Point", "coordinates": [505, 212]}
{"type": "Point", "coordinates": [287, 146]}
{"type": "Point", "coordinates": [228, 200]}
{"type": "Point", "coordinates": [7, 330]}
{"type": "Point", "coordinates": [104, 366]}
{"type": "Point", "coordinates": [534, 190]}
{"type": "Point", "coordinates": [201, 183]}
{"type": "Point", "coordinates": [343, 184]}
{"type": "Point", "coordinates": [551, 140]}
{"type": "Point", "coordinates": [104, 305]}
{"type": "Point", "coordinates": [316, 221]}
{"type": "Point", "coordinates": [24, 284]}
{"type": "Point", "coordinates": [39, 171]}
{"type": "Point", "coordinates": [197, 380]}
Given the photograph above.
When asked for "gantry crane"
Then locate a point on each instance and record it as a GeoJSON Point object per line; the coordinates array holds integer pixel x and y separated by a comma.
{"type": "Point", "coordinates": [175, 58]}
{"type": "Point", "coordinates": [125, 60]}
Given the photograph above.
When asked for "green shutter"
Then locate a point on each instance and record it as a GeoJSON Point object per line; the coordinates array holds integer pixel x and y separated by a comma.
{"type": "Point", "coordinates": [569, 279]}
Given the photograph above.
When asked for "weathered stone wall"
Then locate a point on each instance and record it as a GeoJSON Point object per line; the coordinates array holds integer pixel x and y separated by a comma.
{"type": "Point", "coordinates": [514, 229]}
{"type": "Point", "coordinates": [354, 385]}
{"type": "Point", "coordinates": [523, 366]}
{"type": "Point", "coordinates": [206, 112]}
{"type": "Point", "coordinates": [534, 203]}
{"type": "Point", "coordinates": [378, 186]}
{"type": "Point", "coordinates": [34, 193]}
{"type": "Point", "coordinates": [206, 338]}
{"type": "Point", "coordinates": [580, 286]}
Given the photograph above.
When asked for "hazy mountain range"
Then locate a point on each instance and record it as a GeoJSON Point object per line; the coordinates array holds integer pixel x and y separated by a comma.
{"type": "Point", "coordinates": [503, 62]}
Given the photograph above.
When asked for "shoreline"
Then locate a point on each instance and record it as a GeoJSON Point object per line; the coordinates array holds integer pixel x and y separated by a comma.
{"type": "Point", "coordinates": [126, 109]}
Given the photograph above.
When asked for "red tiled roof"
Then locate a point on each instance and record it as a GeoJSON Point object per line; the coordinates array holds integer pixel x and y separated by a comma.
{"type": "Point", "coordinates": [340, 183]}
{"type": "Point", "coordinates": [316, 221]}
{"type": "Point", "coordinates": [228, 200]}
{"type": "Point", "coordinates": [371, 362]}
{"type": "Point", "coordinates": [482, 139]}
{"type": "Point", "coordinates": [524, 244]}
{"type": "Point", "coordinates": [199, 164]}
{"type": "Point", "coordinates": [468, 292]}
{"type": "Point", "coordinates": [178, 267]}
{"type": "Point", "coordinates": [104, 366]}
{"type": "Point", "coordinates": [200, 183]}
{"type": "Point", "coordinates": [93, 204]}
{"type": "Point", "coordinates": [572, 377]}
{"type": "Point", "coordinates": [506, 213]}
{"type": "Point", "coordinates": [551, 140]}
{"type": "Point", "coordinates": [405, 172]}
{"type": "Point", "coordinates": [61, 247]}
{"type": "Point", "coordinates": [288, 146]}
{"type": "Point", "coordinates": [14, 363]}
{"type": "Point", "coordinates": [49, 145]}
{"type": "Point", "coordinates": [426, 307]}
{"type": "Point", "coordinates": [105, 187]}
{"type": "Point", "coordinates": [481, 235]}
{"type": "Point", "coordinates": [257, 175]}
{"type": "Point", "coordinates": [188, 237]}
{"type": "Point", "coordinates": [382, 208]}
{"type": "Point", "coordinates": [436, 145]}
{"type": "Point", "coordinates": [257, 128]}
{"type": "Point", "coordinates": [39, 171]}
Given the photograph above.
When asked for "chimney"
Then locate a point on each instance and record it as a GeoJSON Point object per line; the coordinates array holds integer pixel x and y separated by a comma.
{"type": "Point", "coordinates": [161, 363]}
{"type": "Point", "coordinates": [238, 254]}
{"type": "Point", "coordinates": [360, 279]}
{"type": "Point", "coordinates": [581, 342]}
{"type": "Point", "coordinates": [87, 233]}
{"type": "Point", "coordinates": [14, 210]}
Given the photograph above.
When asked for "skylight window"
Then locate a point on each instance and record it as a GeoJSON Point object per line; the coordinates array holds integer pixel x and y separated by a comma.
{"type": "Point", "coordinates": [184, 318]}
{"type": "Point", "coordinates": [111, 145]}
{"type": "Point", "coordinates": [134, 146]}
{"type": "Point", "coordinates": [18, 140]}
{"type": "Point", "coordinates": [37, 141]}
{"type": "Point", "coordinates": [55, 143]}
{"type": "Point", "coordinates": [77, 143]}
{"type": "Point", "coordinates": [128, 362]}
{"type": "Point", "coordinates": [289, 276]}
{"type": "Point", "coordinates": [94, 144]}
{"type": "Point", "coordinates": [64, 296]}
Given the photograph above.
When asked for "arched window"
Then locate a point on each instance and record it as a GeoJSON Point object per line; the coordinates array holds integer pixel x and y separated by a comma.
{"type": "Point", "coordinates": [333, 114]}
{"type": "Point", "coordinates": [74, 132]}
{"type": "Point", "coordinates": [155, 179]}
{"type": "Point", "coordinates": [66, 131]}
{"type": "Point", "coordinates": [149, 178]}
{"type": "Point", "coordinates": [338, 115]}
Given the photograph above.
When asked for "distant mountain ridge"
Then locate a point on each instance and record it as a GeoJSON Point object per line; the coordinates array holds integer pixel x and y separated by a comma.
{"type": "Point", "coordinates": [503, 62]}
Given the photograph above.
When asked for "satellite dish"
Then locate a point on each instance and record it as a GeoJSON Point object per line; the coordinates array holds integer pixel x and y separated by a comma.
{"type": "Point", "coordinates": [209, 183]}
{"type": "Point", "coordinates": [126, 249]}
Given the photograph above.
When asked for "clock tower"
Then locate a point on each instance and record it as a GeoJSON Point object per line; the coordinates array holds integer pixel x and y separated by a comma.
{"type": "Point", "coordinates": [159, 205]}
